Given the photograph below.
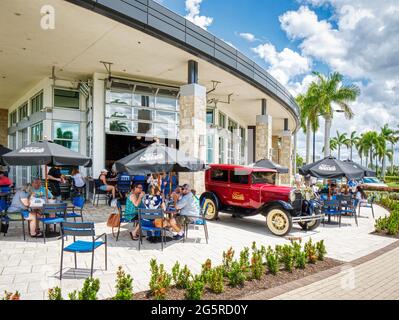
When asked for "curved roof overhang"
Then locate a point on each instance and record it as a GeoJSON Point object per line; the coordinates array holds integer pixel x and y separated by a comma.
{"type": "Point", "coordinates": [152, 18]}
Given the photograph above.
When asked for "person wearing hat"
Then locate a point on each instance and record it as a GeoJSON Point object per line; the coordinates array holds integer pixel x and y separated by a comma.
{"type": "Point", "coordinates": [103, 184]}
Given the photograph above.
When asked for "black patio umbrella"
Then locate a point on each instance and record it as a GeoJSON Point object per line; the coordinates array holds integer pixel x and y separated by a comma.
{"type": "Point", "coordinates": [367, 171]}
{"type": "Point", "coordinates": [332, 168]}
{"type": "Point", "coordinates": [158, 158]}
{"type": "Point", "coordinates": [3, 150]}
{"type": "Point", "coordinates": [268, 164]}
{"type": "Point", "coordinates": [45, 153]}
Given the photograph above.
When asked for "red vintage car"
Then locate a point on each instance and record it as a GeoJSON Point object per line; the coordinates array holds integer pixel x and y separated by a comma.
{"type": "Point", "coordinates": [248, 191]}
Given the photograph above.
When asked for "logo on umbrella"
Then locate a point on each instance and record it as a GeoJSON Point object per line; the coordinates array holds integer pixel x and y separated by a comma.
{"type": "Point", "coordinates": [151, 157]}
{"type": "Point", "coordinates": [326, 167]}
{"type": "Point", "coordinates": [31, 150]}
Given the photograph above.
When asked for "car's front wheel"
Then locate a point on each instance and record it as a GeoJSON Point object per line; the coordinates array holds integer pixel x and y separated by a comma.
{"type": "Point", "coordinates": [210, 208]}
{"type": "Point", "coordinates": [310, 225]}
{"type": "Point", "coordinates": [279, 222]}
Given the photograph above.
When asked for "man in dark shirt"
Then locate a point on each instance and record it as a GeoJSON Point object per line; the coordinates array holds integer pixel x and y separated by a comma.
{"type": "Point", "coordinates": [55, 177]}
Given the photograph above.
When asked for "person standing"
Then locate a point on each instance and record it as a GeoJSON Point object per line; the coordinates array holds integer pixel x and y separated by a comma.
{"type": "Point", "coordinates": [55, 179]}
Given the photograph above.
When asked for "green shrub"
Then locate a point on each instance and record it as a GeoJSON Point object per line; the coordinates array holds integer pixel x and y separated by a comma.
{"type": "Point", "coordinates": [287, 257]}
{"type": "Point", "coordinates": [124, 285]}
{"type": "Point", "coordinates": [236, 275]}
{"type": "Point", "coordinates": [181, 277]}
{"type": "Point", "coordinates": [55, 294]}
{"type": "Point", "coordinates": [89, 291]}
{"type": "Point", "coordinates": [244, 260]}
{"type": "Point", "coordinates": [160, 280]}
{"type": "Point", "coordinates": [227, 260]}
{"type": "Point", "coordinates": [216, 280]}
{"type": "Point", "coordinates": [195, 289]}
{"type": "Point", "coordinates": [257, 266]}
{"type": "Point", "coordinates": [272, 261]}
{"type": "Point", "coordinates": [311, 252]}
{"type": "Point", "coordinates": [299, 255]}
{"type": "Point", "coordinates": [11, 296]}
{"type": "Point", "coordinates": [321, 250]}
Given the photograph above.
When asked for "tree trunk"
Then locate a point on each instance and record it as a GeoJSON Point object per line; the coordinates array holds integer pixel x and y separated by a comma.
{"type": "Point", "coordinates": [327, 130]}
{"type": "Point", "coordinates": [339, 152]}
{"type": "Point", "coordinates": [351, 153]}
{"type": "Point", "coordinates": [383, 167]}
{"type": "Point", "coordinates": [393, 150]}
{"type": "Point", "coordinates": [308, 138]}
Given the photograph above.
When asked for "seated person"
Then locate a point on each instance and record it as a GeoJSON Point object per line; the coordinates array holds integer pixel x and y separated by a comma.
{"type": "Point", "coordinates": [78, 179]}
{"type": "Point", "coordinates": [5, 182]}
{"type": "Point", "coordinates": [188, 207]}
{"type": "Point", "coordinates": [134, 201]}
{"type": "Point", "coordinates": [20, 204]}
{"type": "Point", "coordinates": [104, 186]}
{"type": "Point", "coordinates": [361, 196]}
{"type": "Point", "coordinates": [38, 191]}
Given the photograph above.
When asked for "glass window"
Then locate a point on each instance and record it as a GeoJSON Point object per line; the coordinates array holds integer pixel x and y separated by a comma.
{"type": "Point", "coordinates": [121, 98]}
{"type": "Point", "coordinates": [13, 118]}
{"type": "Point", "coordinates": [165, 130]}
{"type": "Point", "coordinates": [67, 134]}
{"type": "Point", "coordinates": [121, 112]}
{"type": "Point", "coordinates": [210, 149]}
{"type": "Point", "coordinates": [264, 177]}
{"type": "Point", "coordinates": [220, 175]}
{"type": "Point", "coordinates": [118, 125]}
{"type": "Point", "coordinates": [222, 158]}
{"type": "Point", "coordinates": [37, 132]}
{"type": "Point", "coordinates": [165, 117]}
{"type": "Point", "coordinates": [23, 111]}
{"type": "Point", "coordinates": [23, 141]}
{"type": "Point", "coordinates": [210, 116]}
{"type": "Point", "coordinates": [66, 99]}
{"type": "Point", "coordinates": [222, 120]}
{"type": "Point", "coordinates": [238, 176]}
{"type": "Point", "coordinates": [36, 103]}
{"type": "Point", "coordinates": [242, 145]}
{"type": "Point", "coordinates": [168, 103]}
{"type": "Point", "coordinates": [144, 128]}
{"type": "Point", "coordinates": [232, 125]}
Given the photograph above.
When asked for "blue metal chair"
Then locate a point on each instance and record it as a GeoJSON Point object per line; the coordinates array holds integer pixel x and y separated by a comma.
{"type": "Point", "coordinates": [198, 221]}
{"type": "Point", "coordinates": [331, 208]}
{"type": "Point", "coordinates": [76, 210]}
{"type": "Point", "coordinates": [368, 204]}
{"type": "Point", "coordinates": [123, 184]}
{"type": "Point", "coordinates": [81, 229]}
{"type": "Point", "coordinates": [348, 206]}
{"type": "Point", "coordinates": [146, 218]}
{"type": "Point", "coordinates": [55, 214]}
{"type": "Point", "coordinates": [122, 219]}
{"type": "Point", "coordinates": [98, 193]}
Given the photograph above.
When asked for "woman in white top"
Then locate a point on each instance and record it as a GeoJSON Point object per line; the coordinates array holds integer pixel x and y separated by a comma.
{"type": "Point", "coordinates": [79, 180]}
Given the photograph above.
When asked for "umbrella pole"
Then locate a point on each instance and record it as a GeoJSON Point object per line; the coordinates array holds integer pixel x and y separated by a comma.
{"type": "Point", "coordinates": [46, 181]}
{"type": "Point", "coordinates": [170, 183]}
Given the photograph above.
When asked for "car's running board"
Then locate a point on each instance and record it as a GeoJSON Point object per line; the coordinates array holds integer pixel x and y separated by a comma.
{"type": "Point", "coordinates": [307, 218]}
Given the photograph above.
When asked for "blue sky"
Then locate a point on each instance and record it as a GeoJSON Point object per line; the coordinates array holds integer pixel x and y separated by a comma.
{"type": "Point", "coordinates": [292, 38]}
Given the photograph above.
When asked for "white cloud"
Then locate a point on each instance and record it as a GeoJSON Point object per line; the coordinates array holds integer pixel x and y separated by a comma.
{"type": "Point", "coordinates": [193, 14]}
{"type": "Point", "coordinates": [247, 36]}
{"type": "Point", "coordinates": [283, 65]}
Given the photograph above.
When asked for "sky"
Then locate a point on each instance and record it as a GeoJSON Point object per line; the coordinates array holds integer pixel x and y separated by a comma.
{"type": "Point", "coordinates": [293, 38]}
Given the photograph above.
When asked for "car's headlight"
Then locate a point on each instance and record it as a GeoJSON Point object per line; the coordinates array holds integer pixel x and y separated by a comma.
{"type": "Point", "coordinates": [292, 196]}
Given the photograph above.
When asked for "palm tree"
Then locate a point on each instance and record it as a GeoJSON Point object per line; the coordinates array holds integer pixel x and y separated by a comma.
{"type": "Point", "coordinates": [329, 90]}
{"type": "Point", "coordinates": [352, 142]}
{"type": "Point", "coordinates": [309, 118]}
{"type": "Point", "coordinates": [333, 145]}
{"type": "Point", "coordinates": [341, 140]}
{"type": "Point", "coordinates": [367, 145]}
{"type": "Point", "coordinates": [118, 126]}
{"type": "Point", "coordinates": [387, 135]}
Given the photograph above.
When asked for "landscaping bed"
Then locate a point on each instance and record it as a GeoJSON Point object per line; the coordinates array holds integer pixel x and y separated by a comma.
{"type": "Point", "coordinates": [388, 226]}
{"type": "Point", "coordinates": [267, 281]}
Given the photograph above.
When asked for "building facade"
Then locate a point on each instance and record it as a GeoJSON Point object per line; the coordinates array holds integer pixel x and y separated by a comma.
{"type": "Point", "coordinates": [111, 77]}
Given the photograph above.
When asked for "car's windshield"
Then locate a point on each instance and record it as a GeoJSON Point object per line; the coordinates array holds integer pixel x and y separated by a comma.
{"type": "Point", "coordinates": [264, 177]}
{"type": "Point", "coordinates": [371, 180]}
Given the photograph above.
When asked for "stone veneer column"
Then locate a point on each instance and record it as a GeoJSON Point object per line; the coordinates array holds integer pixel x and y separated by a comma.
{"type": "Point", "coordinates": [4, 127]}
{"type": "Point", "coordinates": [286, 156]}
{"type": "Point", "coordinates": [193, 131]}
{"type": "Point", "coordinates": [263, 144]}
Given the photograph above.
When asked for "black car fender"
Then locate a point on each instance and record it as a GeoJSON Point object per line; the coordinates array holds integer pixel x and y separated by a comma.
{"type": "Point", "coordinates": [211, 195]}
{"type": "Point", "coordinates": [286, 206]}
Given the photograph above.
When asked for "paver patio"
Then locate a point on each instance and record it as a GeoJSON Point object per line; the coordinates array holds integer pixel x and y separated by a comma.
{"type": "Point", "coordinates": [31, 267]}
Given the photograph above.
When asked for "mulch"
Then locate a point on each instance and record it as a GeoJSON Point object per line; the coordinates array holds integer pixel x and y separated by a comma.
{"type": "Point", "coordinates": [268, 281]}
{"type": "Point", "coordinates": [385, 234]}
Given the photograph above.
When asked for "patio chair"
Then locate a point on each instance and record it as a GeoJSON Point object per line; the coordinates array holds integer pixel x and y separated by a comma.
{"type": "Point", "coordinates": [54, 214]}
{"type": "Point", "coordinates": [8, 217]}
{"type": "Point", "coordinates": [368, 204]}
{"type": "Point", "coordinates": [146, 216]}
{"type": "Point", "coordinates": [197, 221]}
{"type": "Point", "coordinates": [76, 210]}
{"type": "Point", "coordinates": [123, 184]}
{"type": "Point", "coordinates": [81, 229]}
{"type": "Point", "coordinates": [331, 208]}
{"type": "Point", "coordinates": [348, 206]}
{"type": "Point", "coordinates": [122, 219]}
{"type": "Point", "coordinates": [98, 193]}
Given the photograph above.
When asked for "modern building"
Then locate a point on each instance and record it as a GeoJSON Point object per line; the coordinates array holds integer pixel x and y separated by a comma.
{"type": "Point", "coordinates": [107, 77]}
